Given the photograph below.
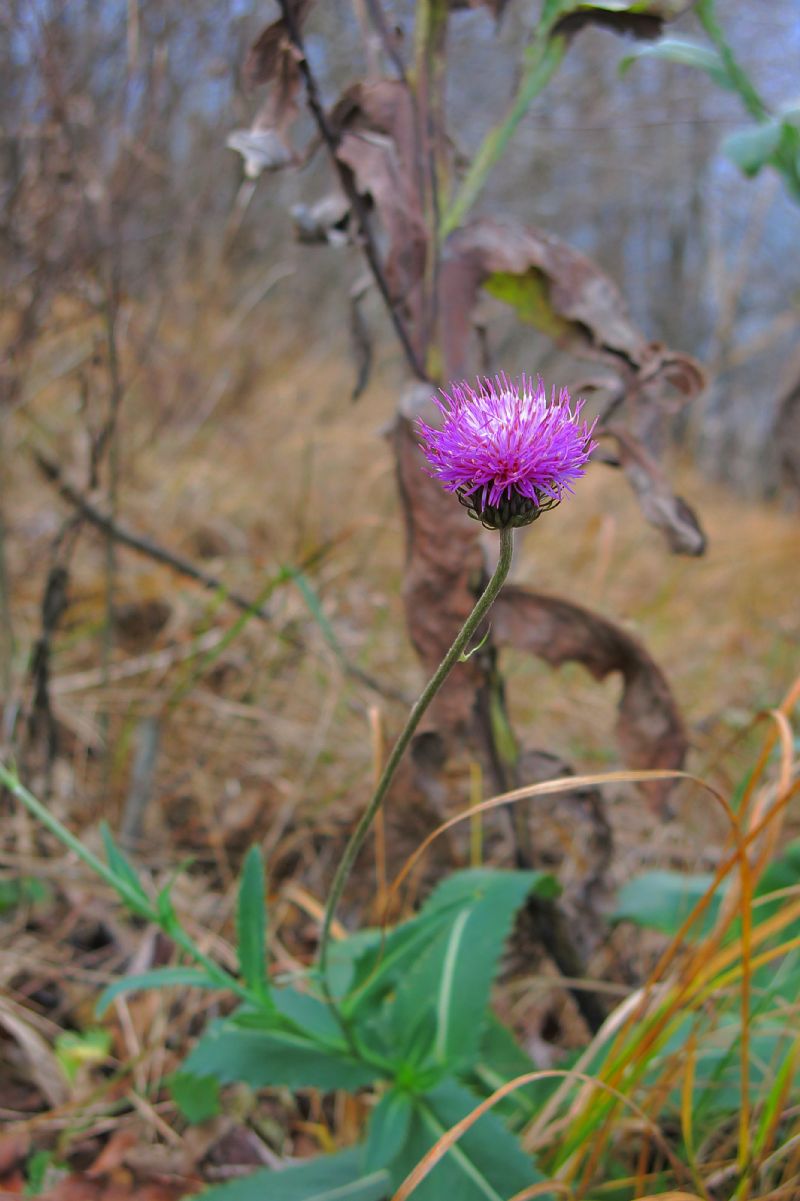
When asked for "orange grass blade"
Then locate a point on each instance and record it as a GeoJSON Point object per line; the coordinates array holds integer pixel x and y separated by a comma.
{"type": "Point", "coordinates": [451, 1137]}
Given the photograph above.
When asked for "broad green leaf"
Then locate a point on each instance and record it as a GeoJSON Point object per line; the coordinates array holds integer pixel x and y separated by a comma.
{"type": "Point", "coordinates": [251, 924]}
{"type": "Point", "coordinates": [451, 981]}
{"type": "Point", "coordinates": [686, 52]}
{"type": "Point", "coordinates": [389, 1125]}
{"type": "Point", "coordinates": [752, 148]}
{"type": "Point", "coordinates": [197, 1097]}
{"type": "Point", "coordinates": [344, 955]}
{"type": "Point", "coordinates": [329, 1178]}
{"type": "Point", "coordinates": [387, 959]}
{"type": "Point", "coordinates": [476, 884]}
{"type": "Point", "coordinates": [662, 900]}
{"type": "Point", "coordinates": [500, 1059]}
{"type": "Point", "coordinates": [291, 1009]}
{"type": "Point", "coordinates": [159, 977]}
{"type": "Point", "coordinates": [486, 1164]}
{"type": "Point", "coordinates": [274, 1058]}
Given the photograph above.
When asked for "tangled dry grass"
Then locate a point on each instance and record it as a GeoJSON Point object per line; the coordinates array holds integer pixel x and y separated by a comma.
{"type": "Point", "coordinates": [205, 731]}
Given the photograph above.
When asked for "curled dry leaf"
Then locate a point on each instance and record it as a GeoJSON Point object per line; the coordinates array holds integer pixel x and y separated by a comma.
{"type": "Point", "coordinates": [649, 728]}
{"type": "Point", "coordinates": [271, 61]}
{"type": "Point", "coordinates": [641, 20]}
{"type": "Point", "coordinates": [661, 507]}
{"type": "Point", "coordinates": [266, 58]}
{"type": "Point", "coordinates": [549, 284]}
{"type": "Point", "coordinates": [325, 221]}
{"type": "Point", "coordinates": [360, 337]}
{"type": "Point", "coordinates": [374, 123]}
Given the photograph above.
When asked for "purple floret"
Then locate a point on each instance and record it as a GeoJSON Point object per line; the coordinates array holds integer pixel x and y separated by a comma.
{"type": "Point", "coordinates": [505, 450]}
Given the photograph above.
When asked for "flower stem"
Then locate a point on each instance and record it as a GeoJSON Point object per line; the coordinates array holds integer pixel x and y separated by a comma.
{"type": "Point", "coordinates": [452, 657]}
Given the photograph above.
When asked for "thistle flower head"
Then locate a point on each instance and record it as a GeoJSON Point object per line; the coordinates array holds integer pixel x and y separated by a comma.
{"type": "Point", "coordinates": [507, 452]}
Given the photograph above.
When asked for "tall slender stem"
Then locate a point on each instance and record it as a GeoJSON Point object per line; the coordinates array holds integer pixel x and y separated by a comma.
{"type": "Point", "coordinates": [356, 842]}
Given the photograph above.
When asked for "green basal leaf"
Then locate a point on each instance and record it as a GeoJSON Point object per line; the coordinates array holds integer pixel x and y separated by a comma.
{"type": "Point", "coordinates": [329, 1178]}
{"type": "Point", "coordinates": [486, 1164]}
{"type": "Point", "coordinates": [294, 1010]}
{"type": "Point", "coordinates": [251, 924]}
{"type": "Point", "coordinates": [197, 1097]}
{"type": "Point", "coordinates": [387, 959]}
{"type": "Point", "coordinates": [388, 1130]}
{"type": "Point", "coordinates": [274, 1058]}
{"type": "Point", "coordinates": [500, 1059]}
{"type": "Point", "coordinates": [445, 995]}
{"type": "Point", "coordinates": [662, 900]}
{"type": "Point", "coordinates": [159, 977]}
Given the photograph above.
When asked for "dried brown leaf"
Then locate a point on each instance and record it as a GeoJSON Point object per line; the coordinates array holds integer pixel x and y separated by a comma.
{"type": "Point", "coordinates": [14, 1146]}
{"type": "Point", "coordinates": [649, 728]}
{"type": "Point", "coordinates": [550, 285]}
{"type": "Point", "coordinates": [266, 57]}
{"type": "Point", "coordinates": [114, 1153]}
{"type": "Point", "coordinates": [41, 1060]}
{"type": "Point", "coordinates": [661, 507]}
{"type": "Point", "coordinates": [374, 123]}
{"type": "Point", "coordinates": [271, 60]}
{"type": "Point", "coordinates": [360, 339]}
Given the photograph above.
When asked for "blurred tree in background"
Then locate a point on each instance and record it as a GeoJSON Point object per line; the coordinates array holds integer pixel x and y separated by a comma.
{"type": "Point", "coordinates": [116, 175]}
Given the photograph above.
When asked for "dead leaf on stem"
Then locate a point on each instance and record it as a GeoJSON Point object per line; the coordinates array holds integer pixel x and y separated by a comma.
{"type": "Point", "coordinates": [649, 728]}
{"type": "Point", "coordinates": [271, 61]}
{"type": "Point", "coordinates": [374, 123]}
{"type": "Point", "coordinates": [641, 20]}
{"type": "Point", "coordinates": [659, 504]}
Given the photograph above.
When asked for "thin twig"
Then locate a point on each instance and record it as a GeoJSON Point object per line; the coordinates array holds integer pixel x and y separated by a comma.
{"type": "Point", "coordinates": [351, 191]}
{"type": "Point", "coordinates": [159, 553]}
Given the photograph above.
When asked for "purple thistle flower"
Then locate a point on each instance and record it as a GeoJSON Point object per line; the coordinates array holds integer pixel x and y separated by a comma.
{"type": "Point", "coordinates": [507, 453]}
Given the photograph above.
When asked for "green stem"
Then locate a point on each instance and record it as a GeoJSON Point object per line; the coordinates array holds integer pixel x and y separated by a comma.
{"type": "Point", "coordinates": [51, 823]}
{"type": "Point", "coordinates": [541, 62]}
{"type": "Point", "coordinates": [452, 657]}
{"type": "Point", "coordinates": [739, 78]}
